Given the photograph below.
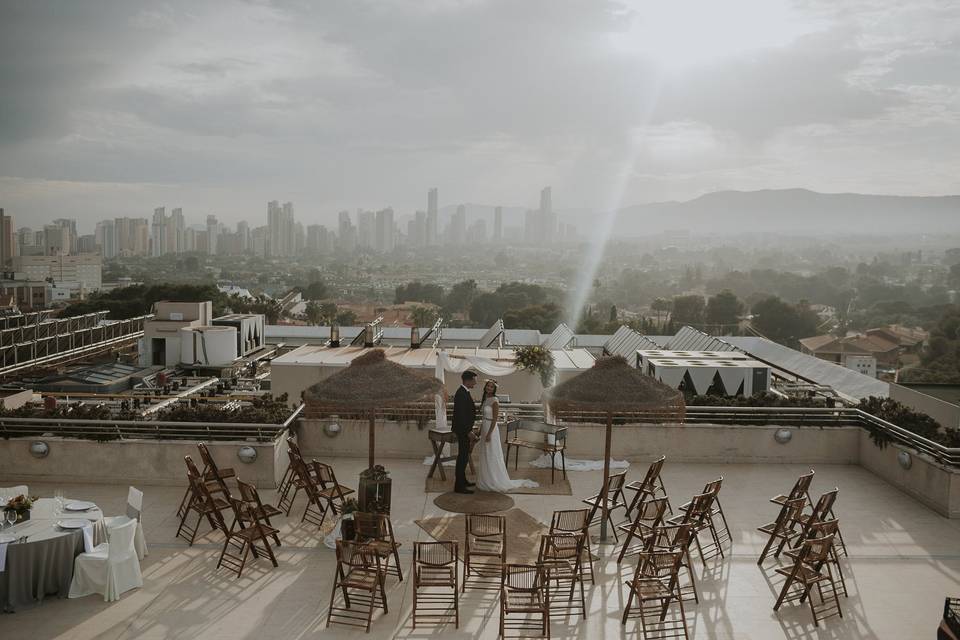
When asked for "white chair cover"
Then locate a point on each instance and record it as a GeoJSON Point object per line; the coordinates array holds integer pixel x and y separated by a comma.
{"type": "Point", "coordinates": [134, 508]}
{"type": "Point", "coordinates": [111, 569]}
{"type": "Point", "coordinates": [19, 490]}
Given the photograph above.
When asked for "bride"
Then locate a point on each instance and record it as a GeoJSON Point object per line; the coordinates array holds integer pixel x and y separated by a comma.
{"type": "Point", "coordinates": [491, 468]}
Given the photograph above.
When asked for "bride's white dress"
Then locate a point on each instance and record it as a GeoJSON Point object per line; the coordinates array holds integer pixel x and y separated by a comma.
{"type": "Point", "coordinates": [491, 468]}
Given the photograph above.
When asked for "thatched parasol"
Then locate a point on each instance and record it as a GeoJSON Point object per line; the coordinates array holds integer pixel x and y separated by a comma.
{"type": "Point", "coordinates": [373, 386]}
{"type": "Point", "coordinates": [612, 388]}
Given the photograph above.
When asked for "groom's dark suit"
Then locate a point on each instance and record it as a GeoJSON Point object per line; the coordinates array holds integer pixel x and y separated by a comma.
{"type": "Point", "coordinates": [464, 415]}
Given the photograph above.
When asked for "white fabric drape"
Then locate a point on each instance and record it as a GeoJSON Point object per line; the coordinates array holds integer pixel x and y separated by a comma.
{"type": "Point", "coordinates": [445, 363]}
{"type": "Point", "coordinates": [543, 462]}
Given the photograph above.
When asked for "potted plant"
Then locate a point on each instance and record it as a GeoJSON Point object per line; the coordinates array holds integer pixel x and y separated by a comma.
{"type": "Point", "coordinates": [20, 505]}
{"type": "Point", "coordinates": [348, 530]}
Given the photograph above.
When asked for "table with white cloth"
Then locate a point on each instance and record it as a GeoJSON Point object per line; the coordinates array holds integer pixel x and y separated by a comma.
{"type": "Point", "coordinates": [43, 565]}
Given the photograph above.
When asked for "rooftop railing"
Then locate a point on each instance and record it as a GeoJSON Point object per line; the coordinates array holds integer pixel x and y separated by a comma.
{"type": "Point", "coordinates": [143, 429]}
{"type": "Point", "coordinates": [779, 416]}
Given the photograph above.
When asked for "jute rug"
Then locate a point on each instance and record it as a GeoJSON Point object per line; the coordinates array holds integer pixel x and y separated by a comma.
{"type": "Point", "coordinates": [523, 533]}
{"type": "Point", "coordinates": [478, 502]}
{"type": "Point", "coordinates": [560, 486]}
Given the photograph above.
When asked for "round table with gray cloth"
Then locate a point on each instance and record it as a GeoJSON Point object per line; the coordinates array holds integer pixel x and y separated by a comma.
{"type": "Point", "coordinates": [43, 565]}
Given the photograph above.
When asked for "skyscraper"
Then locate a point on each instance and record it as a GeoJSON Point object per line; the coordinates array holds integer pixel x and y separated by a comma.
{"type": "Point", "coordinates": [282, 231]}
{"type": "Point", "coordinates": [346, 233]}
{"type": "Point", "coordinates": [243, 233]}
{"type": "Point", "coordinates": [432, 217]}
{"type": "Point", "coordinates": [548, 219]}
{"type": "Point", "coordinates": [175, 226]}
{"type": "Point", "coordinates": [458, 226]}
{"type": "Point", "coordinates": [70, 224]}
{"type": "Point", "coordinates": [105, 236]}
{"type": "Point", "coordinates": [384, 233]}
{"type": "Point", "coordinates": [6, 239]}
{"type": "Point", "coordinates": [498, 224]}
{"type": "Point", "coordinates": [158, 237]}
{"type": "Point", "coordinates": [213, 233]}
{"type": "Point", "coordinates": [366, 220]}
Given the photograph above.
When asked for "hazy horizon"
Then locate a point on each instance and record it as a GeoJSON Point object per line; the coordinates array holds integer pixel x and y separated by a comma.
{"type": "Point", "coordinates": [114, 108]}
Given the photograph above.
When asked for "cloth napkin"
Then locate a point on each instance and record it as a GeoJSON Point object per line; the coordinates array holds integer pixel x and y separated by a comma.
{"type": "Point", "coordinates": [88, 538]}
{"type": "Point", "coordinates": [3, 556]}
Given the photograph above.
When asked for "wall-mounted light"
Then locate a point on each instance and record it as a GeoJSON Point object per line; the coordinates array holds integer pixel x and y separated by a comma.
{"type": "Point", "coordinates": [905, 460]}
{"type": "Point", "coordinates": [39, 449]}
{"type": "Point", "coordinates": [332, 429]}
{"type": "Point", "coordinates": [247, 454]}
{"type": "Point", "coordinates": [783, 436]}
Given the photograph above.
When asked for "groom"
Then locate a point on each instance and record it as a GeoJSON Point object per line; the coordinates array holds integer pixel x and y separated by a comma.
{"type": "Point", "coordinates": [464, 415]}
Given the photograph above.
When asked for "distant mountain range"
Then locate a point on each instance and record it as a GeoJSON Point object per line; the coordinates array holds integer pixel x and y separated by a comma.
{"type": "Point", "coordinates": [794, 211]}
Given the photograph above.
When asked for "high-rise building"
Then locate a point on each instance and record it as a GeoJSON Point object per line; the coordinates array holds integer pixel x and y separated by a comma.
{"type": "Point", "coordinates": [70, 224]}
{"type": "Point", "coordinates": [280, 223]}
{"type": "Point", "coordinates": [366, 221]}
{"type": "Point", "coordinates": [105, 236]}
{"type": "Point", "coordinates": [26, 241]}
{"type": "Point", "coordinates": [158, 237]}
{"type": "Point", "coordinates": [7, 244]}
{"type": "Point", "coordinates": [318, 240]}
{"type": "Point", "coordinates": [175, 226]}
{"type": "Point", "coordinates": [384, 235]}
{"type": "Point", "coordinates": [498, 224]}
{"type": "Point", "coordinates": [432, 217]}
{"type": "Point", "coordinates": [56, 240]}
{"type": "Point", "coordinates": [346, 233]}
{"type": "Point", "coordinates": [477, 233]}
{"type": "Point", "coordinates": [87, 244]}
{"type": "Point", "coordinates": [132, 236]}
{"type": "Point", "coordinates": [548, 219]}
{"type": "Point", "coordinates": [243, 233]}
{"type": "Point", "coordinates": [417, 230]}
{"type": "Point", "coordinates": [213, 233]}
{"type": "Point", "coordinates": [458, 226]}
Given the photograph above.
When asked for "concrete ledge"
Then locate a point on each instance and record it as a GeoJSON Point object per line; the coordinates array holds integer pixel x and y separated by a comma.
{"type": "Point", "coordinates": [140, 462]}
{"type": "Point", "coordinates": [679, 442]}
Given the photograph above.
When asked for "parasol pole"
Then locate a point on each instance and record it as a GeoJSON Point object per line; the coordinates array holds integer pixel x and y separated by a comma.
{"type": "Point", "coordinates": [373, 422]}
{"type": "Point", "coordinates": [606, 476]}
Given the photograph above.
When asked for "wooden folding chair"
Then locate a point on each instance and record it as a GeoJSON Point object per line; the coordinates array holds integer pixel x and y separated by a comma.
{"type": "Point", "coordinates": [575, 521]}
{"type": "Point", "coordinates": [204, 499]}
{"type": "Point", "coordinates": [359, 579]}
{"type": "Point", "coordinates": [332, 491]}
{"type": "Point", "coordinates": [285, 482]}
{"type": "Point", "coordinates": [256, 508]}
{"type": "Point", "coordinates": [783, 530]}
{"type": "Point", "coordinates": [523, 594]}
{"type": "Point", "coordinates": [676, 537]}
{"type": "Point", "coordinates": [812, 568]}
{"type": "Point", "coordinates": [436, 584]}
{"type": "Point", "coordinates": [242, 537]}
{"type": "Point", "coordinates": [615, 500]}
{"type": "Point", "coordinates": [315, 511]}
{"type": "Point", "coordinates": [486, 540]}
{"type": "Point", "coordinates": [649, 516]}
{"type": "Point", "coordinates": [697, 515]}
{"type": "Point", "coordinates": [654, 590]}
{"type": "Point", "coordinates": [649, 487]}
{"type": "Point", "coordinates": [210, 472]}
{"type": "Point", "coordinates": [300, 476]}
{"type": "Point", "coordinates": [719, 534]}
{"type": "Point", "coordinates": [376, 531]}
{"type": "Point", "coordinates": [823, 530]}
{"type": "Point", "coordinates": [561, 559]}
{"type": "Point", "coordinates": [822, 511]}
{"type": "Point", "coordinates": [801, 489]}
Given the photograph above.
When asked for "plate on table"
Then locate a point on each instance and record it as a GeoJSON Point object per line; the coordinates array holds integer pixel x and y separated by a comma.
{"type": "Point", "coordinates": [79, 505]}
{"type": "Point", "coordinates": [72, 524]}
{"type": "Point", "coordinates": [5, 539]}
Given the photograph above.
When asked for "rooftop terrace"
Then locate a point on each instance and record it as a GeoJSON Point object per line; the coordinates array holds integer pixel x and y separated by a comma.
{"type": "Point", "coordinates": [903, 560]}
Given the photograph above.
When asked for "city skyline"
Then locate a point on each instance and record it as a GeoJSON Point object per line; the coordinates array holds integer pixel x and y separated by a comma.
{"type": "Point", "coordinates": [166, 104]}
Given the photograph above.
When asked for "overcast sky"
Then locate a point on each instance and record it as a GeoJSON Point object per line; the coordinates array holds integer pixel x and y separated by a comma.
{"type": "Point", "coordinates": [113, 108]}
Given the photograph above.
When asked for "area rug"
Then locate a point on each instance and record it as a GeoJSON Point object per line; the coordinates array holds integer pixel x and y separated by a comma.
{"type": "Point", "coordinates": [559, 487]}
{"type": "Point", "coordinates": [523, 533]}
{"type": "Point", "coordinates": [477, 502]}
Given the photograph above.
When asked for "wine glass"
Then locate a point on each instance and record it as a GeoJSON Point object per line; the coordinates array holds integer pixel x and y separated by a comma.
{"type": "Point", "coordinates": [11, 517]}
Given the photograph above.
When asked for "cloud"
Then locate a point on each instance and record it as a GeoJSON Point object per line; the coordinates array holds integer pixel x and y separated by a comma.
{"type": "Point", "coordinates": [363, 103]}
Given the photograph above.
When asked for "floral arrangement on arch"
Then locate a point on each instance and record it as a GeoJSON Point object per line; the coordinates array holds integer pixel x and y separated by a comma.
{"type": "Point", "coordinates": [535, 359]}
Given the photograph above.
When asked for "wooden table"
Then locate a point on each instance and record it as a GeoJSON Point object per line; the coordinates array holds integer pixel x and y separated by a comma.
{"type": "Point", "coordinates": [437, 440]}
{"type": "Point", "coordinates": [551, 440]}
